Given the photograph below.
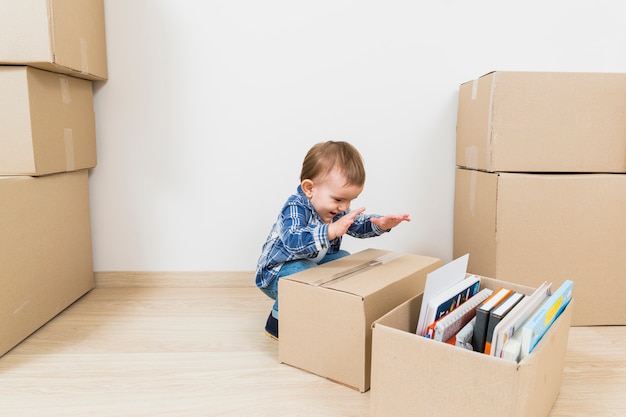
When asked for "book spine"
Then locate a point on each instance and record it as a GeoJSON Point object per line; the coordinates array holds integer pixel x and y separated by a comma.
{"type": "Point", "coordinates": [534, 329]}
{"type": "Point", "coordinates": [451, 324]}
{"type": "Point", "coordinates": [480, 330]}
{"type": "Point", "coordinates": [512, 348]}
{"type": "Point", "coordinates": [464, 337]}
{"type": "Point", "coordinates": [496, 317]}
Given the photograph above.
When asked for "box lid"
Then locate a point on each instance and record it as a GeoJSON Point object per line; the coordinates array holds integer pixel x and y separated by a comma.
{"type": "Point", "coordinates": [363, 273]}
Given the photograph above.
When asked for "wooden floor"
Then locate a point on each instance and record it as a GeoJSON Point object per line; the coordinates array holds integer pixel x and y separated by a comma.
{"type": "Point", "coordinates": [155, 351]}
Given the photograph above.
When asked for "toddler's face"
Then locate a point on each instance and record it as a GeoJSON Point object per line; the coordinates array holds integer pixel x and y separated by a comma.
{"type": "Point", "coordinates": [331, 195]}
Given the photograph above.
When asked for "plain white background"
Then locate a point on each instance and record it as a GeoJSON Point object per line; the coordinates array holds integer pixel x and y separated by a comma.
{"type": "Point", "coordinates": [211, 105]}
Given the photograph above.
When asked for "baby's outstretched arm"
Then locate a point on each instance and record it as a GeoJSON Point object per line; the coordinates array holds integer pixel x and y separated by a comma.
{"type": "Point", "coordinates": [390, 221]}
{"type": "Point", "coordinates": [341, 226]}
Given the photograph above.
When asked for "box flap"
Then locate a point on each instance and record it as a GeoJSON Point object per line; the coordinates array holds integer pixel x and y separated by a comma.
{"type": "Point", "coordinates": [329, 271]}
{"type": "Point", "coordinates": [363, 273]}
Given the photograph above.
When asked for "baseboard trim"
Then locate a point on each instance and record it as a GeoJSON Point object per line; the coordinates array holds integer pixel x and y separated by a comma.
{"type": "Point", "coordinates": [174, 279]}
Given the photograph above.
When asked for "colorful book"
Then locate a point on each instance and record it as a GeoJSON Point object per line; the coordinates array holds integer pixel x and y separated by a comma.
{"type": "Point", "coordinates": [517, 317]}
{"type": "Point", "coordinates": [513, 347]}
{"type": "Point", "coordinates": [534, 329]}
{"type": "Point", "coordinates": [449, 325]}
{"type": "Point", "coordinates": [482, 317]}
{"type": "Point", "coordinates": [497, 314]}
{"type": "Point", "coordinates": [463, 338]}
{"type": "Point", "coordinates": [450, 299]}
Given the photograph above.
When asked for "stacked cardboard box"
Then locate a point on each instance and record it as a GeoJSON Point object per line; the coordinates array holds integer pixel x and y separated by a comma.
{"type": "Point", "coordinates": [66, 36]}
{"type": "Point", "coordinates": [49, 55]}
{"type": "Point", "coordinates": [541, 184]}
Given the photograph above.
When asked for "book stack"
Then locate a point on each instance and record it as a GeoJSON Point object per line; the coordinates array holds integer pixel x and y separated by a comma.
{"type": "Point", "coordinates": [540, 184]}
{"type": "Point", "coordinates": [50, 54]}
{"type": "Point", "coordinates": [503, 323]}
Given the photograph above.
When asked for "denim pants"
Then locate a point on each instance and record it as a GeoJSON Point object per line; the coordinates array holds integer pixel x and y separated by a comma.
{"type": "Point", "coordinates": [292, 267]}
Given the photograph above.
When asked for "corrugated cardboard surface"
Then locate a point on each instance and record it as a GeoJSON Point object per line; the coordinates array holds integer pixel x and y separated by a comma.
{"type": "Point", "coordinates": [530, 228]}
{"type": "Point", "coordinates": [326, 313]}
{"type": "Point", "coordinates": [543, 122]}
{"type": "Point", "coordinates": [47, 122]}
{"type": "Point", "coordinates": [412, 375]}
{"type": "Point", "coordinates": [45, 250]}
{"type": "Point", "coordinates": [65, 36]}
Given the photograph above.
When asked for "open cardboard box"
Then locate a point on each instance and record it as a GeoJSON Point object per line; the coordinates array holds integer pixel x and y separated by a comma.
{"type": "Point", "coordinates": [326, 312]}
{"type": "Point", "coordinates": [413, 375]}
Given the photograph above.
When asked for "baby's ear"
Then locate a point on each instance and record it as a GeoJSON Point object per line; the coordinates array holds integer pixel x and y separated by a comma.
{"type": "Point", "coordinates": [307, 187]}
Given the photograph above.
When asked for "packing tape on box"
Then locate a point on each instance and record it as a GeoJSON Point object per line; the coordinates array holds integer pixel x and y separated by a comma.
{"type": "Point", "coordinates": [472, 192]}
{"type": "Point", "coordinates": [66, 97]}
{"type": "Point", "coordinates": [357, 269]}
{"type": "Point", "coordinates": [84, 56]}
{"type": "Point", "coordinates": [68, 137]}
{"type": "Point", "coordinates": [474, 89]}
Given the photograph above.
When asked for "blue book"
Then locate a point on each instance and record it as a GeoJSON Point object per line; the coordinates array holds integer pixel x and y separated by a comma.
{"type": "Point", "coordinates": [450, 299]}
{"type": "Point", "coordinates": [533, 330]}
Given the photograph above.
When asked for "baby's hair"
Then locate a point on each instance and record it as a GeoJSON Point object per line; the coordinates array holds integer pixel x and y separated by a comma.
{"type": "Point", "coordinates": [325, 156]}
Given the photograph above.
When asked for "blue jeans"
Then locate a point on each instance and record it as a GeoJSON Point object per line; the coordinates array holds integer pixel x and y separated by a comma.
{"type": "Point", "coordinates": [292, 267]}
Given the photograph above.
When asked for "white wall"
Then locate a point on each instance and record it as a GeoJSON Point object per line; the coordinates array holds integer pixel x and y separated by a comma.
{"type": "Point", "coordinates": [210, 107]}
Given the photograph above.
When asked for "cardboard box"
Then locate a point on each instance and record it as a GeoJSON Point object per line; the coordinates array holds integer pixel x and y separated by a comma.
{"type": "Point", "coordinates": [542, 122]}
{"type": "Point", "coordinates": [415, 376]}
{"type": "Point", "coordinates": [45, 250]}
{"type": "Point", "coordinates": [326, 312]}
{"type": "Point", "coordinates": [47, 122]}
{"type": "Point", "coordinates": [531, 228]}
{"type": "Point", "coordinates": [65, 36]}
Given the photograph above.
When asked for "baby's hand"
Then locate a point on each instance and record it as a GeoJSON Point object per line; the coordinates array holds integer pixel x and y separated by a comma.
{"type": "Point", "coordinates": [390, 221]}
{"type": "Point", "coordinates": [341, 226]}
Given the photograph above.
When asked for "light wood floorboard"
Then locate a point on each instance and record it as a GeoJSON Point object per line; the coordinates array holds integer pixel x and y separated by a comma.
{"type": "Point", "coordinates": [163, 351]}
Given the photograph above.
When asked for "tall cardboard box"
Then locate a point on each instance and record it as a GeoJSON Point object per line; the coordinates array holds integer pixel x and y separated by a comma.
{"type": "Point", "coordinates": [326, 312]}
{"type": "Point", "coordinates": [530, 228]}
{"type": "Point", "coordinates": [47, 122]}
{"type": "Point", "coordinates": [45, 250]}
{"type": "Point", "coordinates": [542, 122]}
{"type": "Point", "coordinates": [416, 376]}
{"type": "Point", "coordinates": [65, 36]}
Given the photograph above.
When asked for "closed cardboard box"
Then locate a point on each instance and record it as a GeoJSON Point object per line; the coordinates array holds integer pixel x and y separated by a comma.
{"type": "Point", "coordinates": [542, 122]}
{"type": "Point", "coordinates": [326, 312]}
{"type": "Point", "coordinates": [45, 250]}
{"type": "Point", "coordinates": [530, 228]}
{"type": "Point", "coordinates": [416, 376]}
{"type": "Point", "coordinates": [65, 36]}
{"type": "Point", "coordinates": [47, 122]}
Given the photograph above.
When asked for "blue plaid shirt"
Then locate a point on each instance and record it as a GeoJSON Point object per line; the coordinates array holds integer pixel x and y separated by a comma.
{"type": "Point", "coordinates": [299, 233]}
